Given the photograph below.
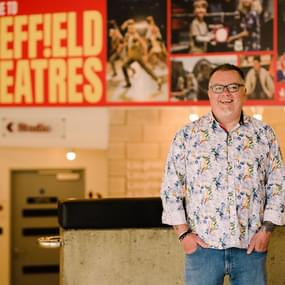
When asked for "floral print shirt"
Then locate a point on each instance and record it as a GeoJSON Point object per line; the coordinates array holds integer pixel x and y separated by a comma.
{"type": "Point", "coordinates": [224, 184]}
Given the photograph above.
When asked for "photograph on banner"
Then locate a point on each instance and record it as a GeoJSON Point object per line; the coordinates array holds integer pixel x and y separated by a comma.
{"type": "Point", "coordinates": [259, 76]}
{"type": "Point", "coordinates": [190, 76]}
{"type": "Point", "coordinates": [137, 53]}
{"type": "Point", "coordinates": [281, 43]}
{"type": "Point", "coordinates": [280, 70]}
{"type": "Point", "coordinates": [201, 26]}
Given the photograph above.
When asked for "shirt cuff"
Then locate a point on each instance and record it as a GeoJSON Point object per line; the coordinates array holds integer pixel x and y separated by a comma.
{"type": "Point", "coordinates": [174, 218]}
{"type": "Point", "coordinates": [274, 217]}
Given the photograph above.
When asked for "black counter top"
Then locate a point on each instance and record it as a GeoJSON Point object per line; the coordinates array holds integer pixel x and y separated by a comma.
{"type": "Point", "coordinates": [110, 213]}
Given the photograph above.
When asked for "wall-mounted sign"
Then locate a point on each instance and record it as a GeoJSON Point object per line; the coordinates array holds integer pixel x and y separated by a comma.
{"type": "Point", "coordinates": [52, 55]}
{"type": "Point", "coordinates": [33, 128]}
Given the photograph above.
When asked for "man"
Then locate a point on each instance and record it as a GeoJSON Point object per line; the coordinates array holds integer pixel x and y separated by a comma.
{"type": "Point", "coordinates": [224, 188]}
{"type": "Point", "coordinates": [258, 81]}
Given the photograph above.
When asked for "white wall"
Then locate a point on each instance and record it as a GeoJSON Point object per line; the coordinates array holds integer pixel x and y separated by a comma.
{"type": "Point", "coordinates": [73, 127]}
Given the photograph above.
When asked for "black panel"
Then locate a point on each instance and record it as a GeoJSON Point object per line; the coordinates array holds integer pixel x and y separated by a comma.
{"type": "Point", "coordinates": [37, 269]}
{"type": "Point", "coordinates": [40, 231]}
{"type": "Point", "coordinates": [42, 200]}
{"type": "Point", "coordinates": [39, 212]}
{"type": "Point", "coordinates": [1, 231]}
{"type": "Point", "coordinates": [111, 213]}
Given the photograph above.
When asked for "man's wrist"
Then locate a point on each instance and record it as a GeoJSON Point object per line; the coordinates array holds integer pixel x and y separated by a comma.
{"type": "Point", "coordinates": [267, 227]}
{"type": "Point", "coordinates": [183, 235]}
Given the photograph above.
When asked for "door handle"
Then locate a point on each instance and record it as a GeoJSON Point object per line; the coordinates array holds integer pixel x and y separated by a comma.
{"type": "Point", "coordinates": [50, 242]}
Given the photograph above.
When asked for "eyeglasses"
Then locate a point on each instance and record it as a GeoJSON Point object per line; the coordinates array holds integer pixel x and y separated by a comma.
{"type": "Point", "coordinates": [219, 88]}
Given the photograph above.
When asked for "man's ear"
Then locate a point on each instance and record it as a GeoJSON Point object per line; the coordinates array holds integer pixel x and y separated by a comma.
{"type": "Point", "coordinates": [245, 94]}
{"type": "Point", "coordinates": [208, 94]}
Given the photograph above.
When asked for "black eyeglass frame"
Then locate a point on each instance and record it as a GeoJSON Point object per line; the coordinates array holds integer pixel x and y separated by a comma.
{"type": "Point", "coordinates": [238, 85]}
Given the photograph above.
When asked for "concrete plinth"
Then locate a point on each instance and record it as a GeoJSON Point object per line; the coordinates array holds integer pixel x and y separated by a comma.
{"type": "Point", "coordinates": [139, 257]}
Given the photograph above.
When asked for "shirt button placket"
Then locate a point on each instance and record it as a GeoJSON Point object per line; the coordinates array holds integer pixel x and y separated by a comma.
{"type": "Point", "coordinates": [231, 187]}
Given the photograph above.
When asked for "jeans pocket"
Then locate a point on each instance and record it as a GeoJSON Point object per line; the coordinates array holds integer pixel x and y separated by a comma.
{"type": "Point", "coordinates": [260, 252]}
{"type": "Point", "coordinates": [193, 252]}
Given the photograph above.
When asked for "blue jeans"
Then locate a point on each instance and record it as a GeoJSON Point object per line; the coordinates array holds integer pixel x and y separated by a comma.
{"type": "Point", "coordinates": [209, 266]}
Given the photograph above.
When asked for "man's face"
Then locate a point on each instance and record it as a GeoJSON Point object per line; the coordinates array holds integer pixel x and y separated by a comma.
{"type": "Point", "coordinates": [256, 65]}
{"type": "Point", "coordinates": [226, 103]}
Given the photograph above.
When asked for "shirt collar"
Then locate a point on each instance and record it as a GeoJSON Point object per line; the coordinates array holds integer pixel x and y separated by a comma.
{"type": "Point", "coordinates": [214, 122]}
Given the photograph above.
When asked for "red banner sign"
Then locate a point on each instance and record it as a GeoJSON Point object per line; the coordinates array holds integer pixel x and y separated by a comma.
{"type": "Point", "coordinates": [143, 52]}
{"type": "Point", "coordinates": [52, 55]}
